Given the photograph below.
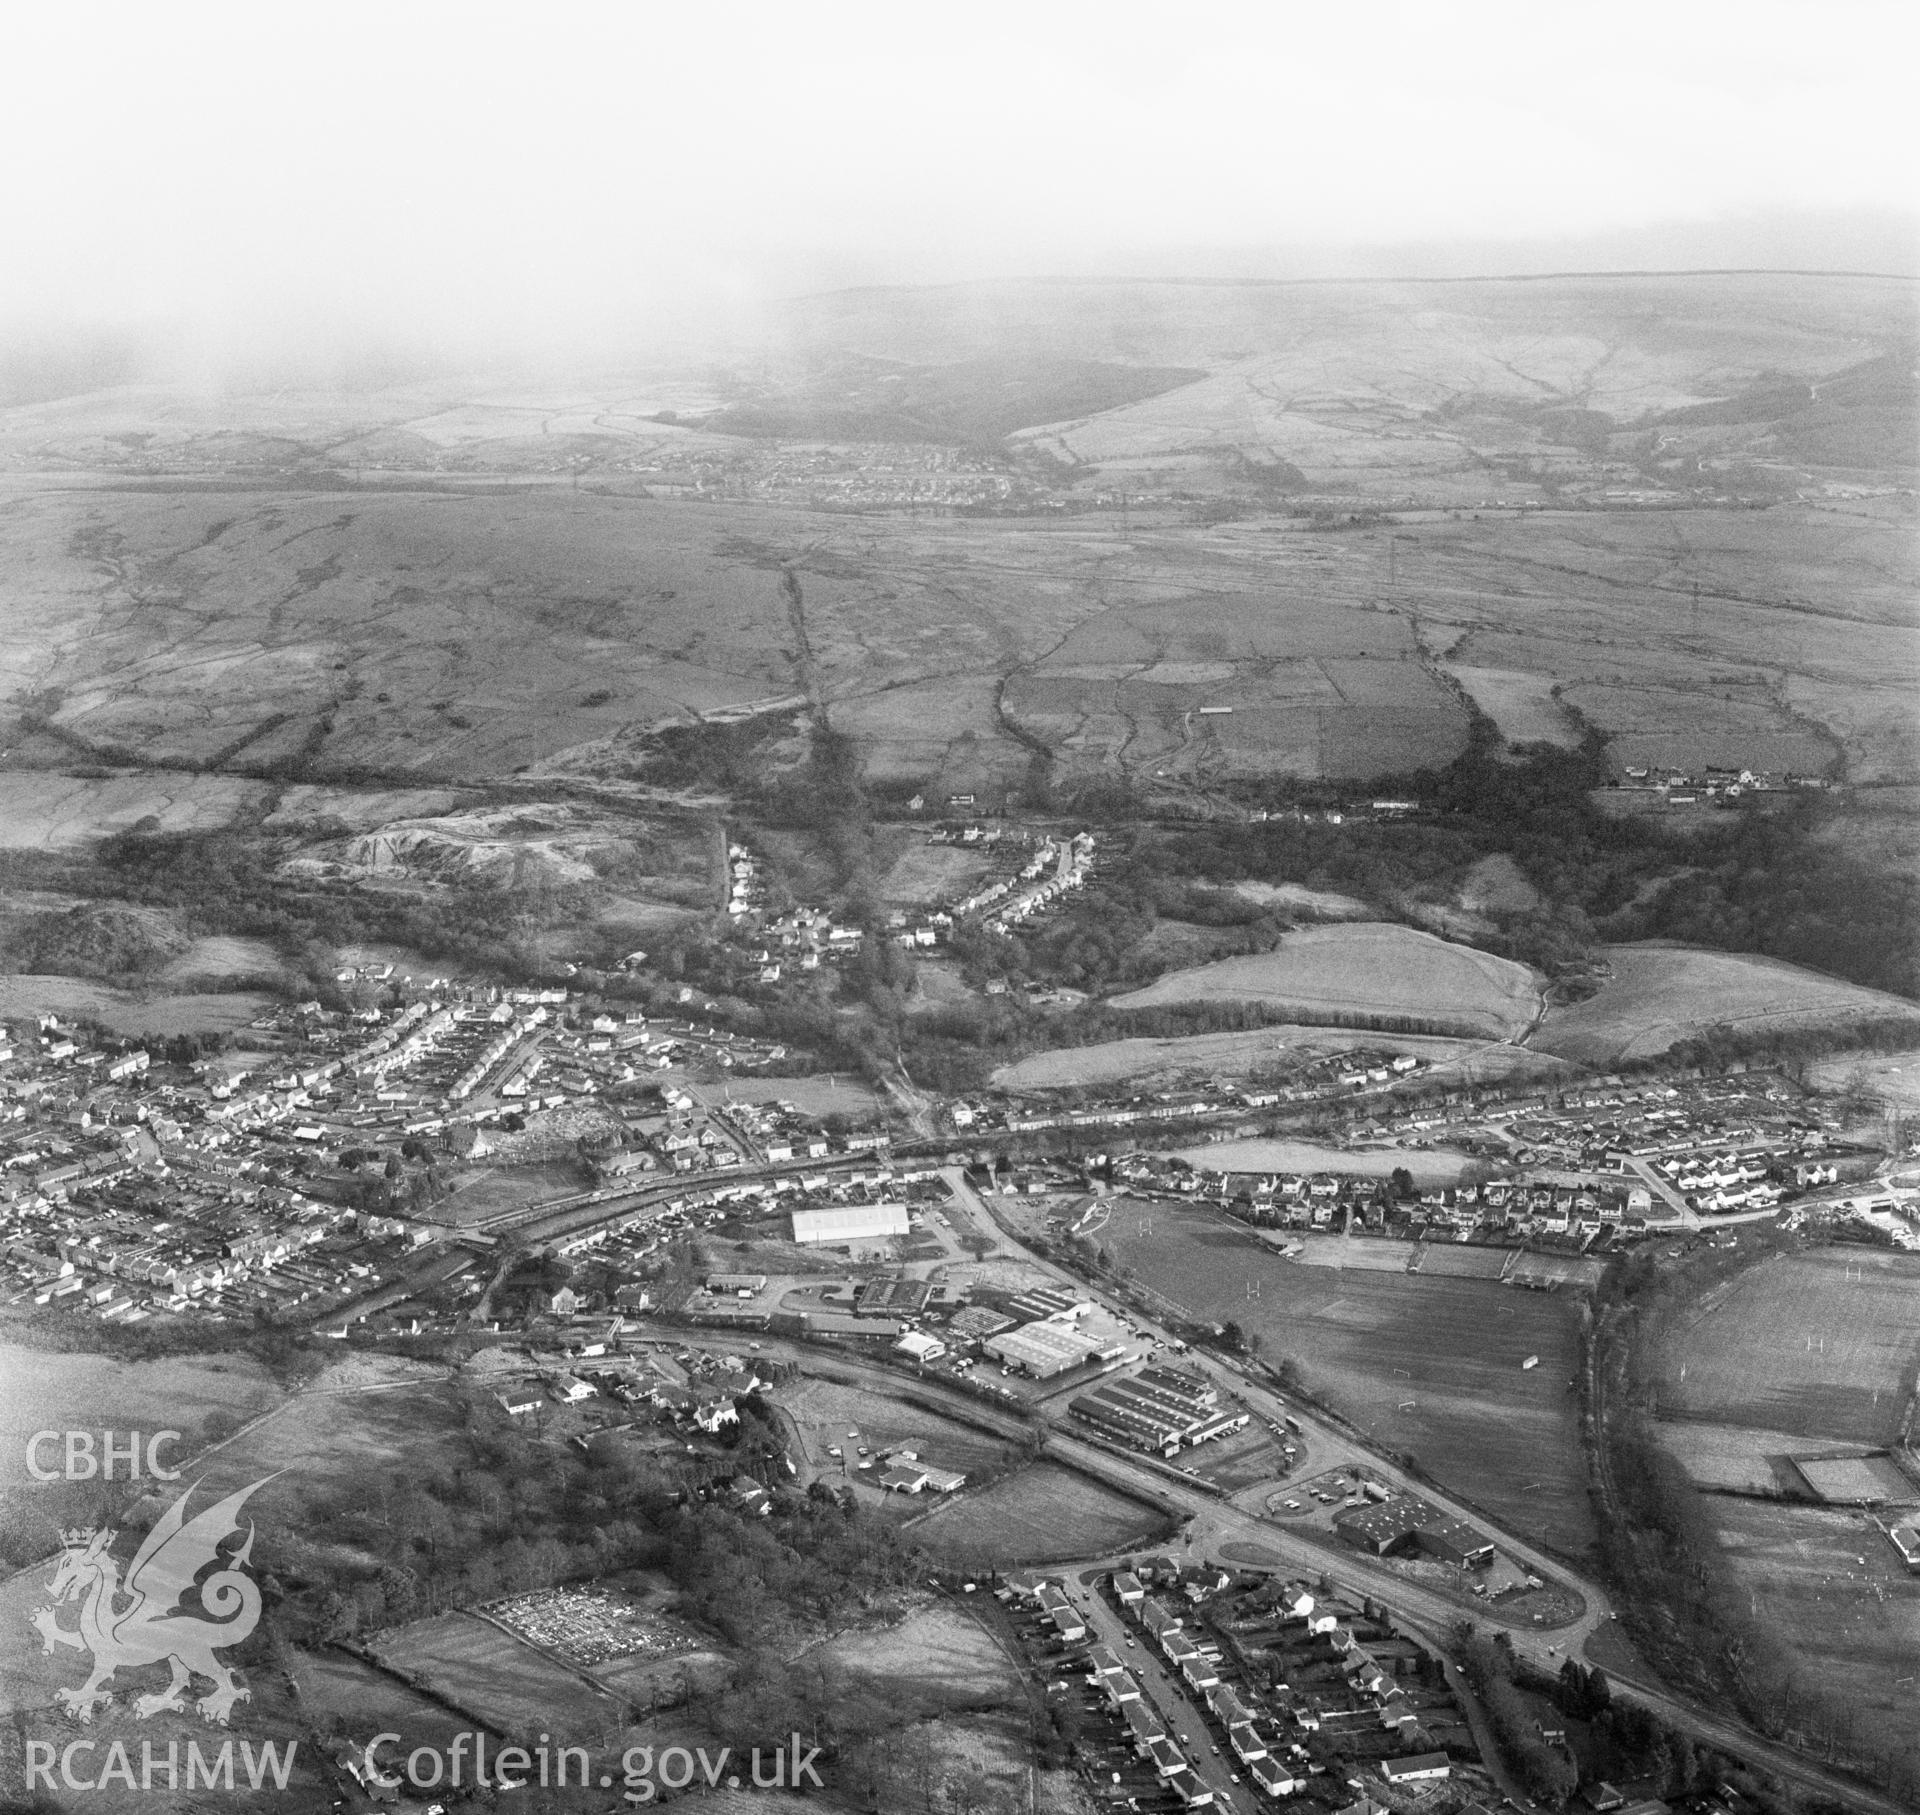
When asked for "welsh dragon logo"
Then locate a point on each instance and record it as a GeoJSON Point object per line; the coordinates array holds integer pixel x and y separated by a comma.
{"type": "Point", "coordinates": [143, 1621]}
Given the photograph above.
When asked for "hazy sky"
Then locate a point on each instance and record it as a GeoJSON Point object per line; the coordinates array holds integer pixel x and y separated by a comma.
{"type": "Point", "coordinates": [463, 171]}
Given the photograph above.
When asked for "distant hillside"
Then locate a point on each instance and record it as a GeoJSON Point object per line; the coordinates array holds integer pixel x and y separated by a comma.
{"type": "Point", "coordinates": [1729, 326]}
{"type": "Point", "coordinates": [1865, 416]}
{"type": "Point", "coordinates": [970, 402]}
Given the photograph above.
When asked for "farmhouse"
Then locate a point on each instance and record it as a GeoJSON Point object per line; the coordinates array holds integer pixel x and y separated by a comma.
{"type": "Point", "coordinates": [1906, 1540]}
{"type": "Point", "coordinates": [849, 1222]}
{"type": "Point", "coordinates": [1422, 1767]}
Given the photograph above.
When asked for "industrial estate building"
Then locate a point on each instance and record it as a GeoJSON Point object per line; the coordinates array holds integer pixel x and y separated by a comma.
{"type": "Point", "coordinates": [1158, 1409]}
{"type": "Point", "coordinates": [1405, 1522]}
{"type": "Point", "coordinates": [1050, 1347]}
{"type": "Point", "coordinates": [849, 1223]}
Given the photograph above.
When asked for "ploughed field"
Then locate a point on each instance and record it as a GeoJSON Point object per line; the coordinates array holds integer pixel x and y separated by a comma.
{"type": "Point", "coordinates": [1371, 969]}
{"type": "Point", "coordinates": [1425, 1364]}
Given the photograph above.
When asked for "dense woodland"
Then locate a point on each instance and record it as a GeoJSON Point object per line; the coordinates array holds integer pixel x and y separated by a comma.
{"type": "Point", "coordinates": [513, 1514]}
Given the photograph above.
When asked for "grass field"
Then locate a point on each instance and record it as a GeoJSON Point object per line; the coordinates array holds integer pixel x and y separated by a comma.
{"type": "Point", "coordinates": [367, 1701]}
{"type": "Point", "coordinates": [1453, 1260]}
{"type": "Point", "coordinates": [1429, 1165]}
{"type": "Point", "coordinates": [1367, 968]}
{"type": "Point", "coordinates": [825, 1412]}
{"type": "Point", "coordinates": [1553, 1271]}
{"type": "Point", "coordinates": [478, 1667]}
{"type": "Point", "coordinates": [1521, 704]}
{"type": "Point", "coordinates": [1823, 1345]}
{"type": "Point", "coordinates": [1043, 1514]}
{"type": "Point", "coordinates": [1426, 1364]}
{"type": "Point", "coordinates": [1892, 1077]}
{"type": "Point", "coordinates": [41, 1389]}
{"type": "Point", "coordinates": [1254, 1050]}
{"type": "Point", "coordinates": [128, 1011]}
{"type": "Point", "coordinates": [1831, 1587]}
{"type": "Point", "coordinates": [1660, 994]}
{"type": "Point", "coordinates": [1745, 1458]}
{"type": "Point", "coordinates": [936, 1656]}
{"type": "Point", "coordinates": [839, 1093]}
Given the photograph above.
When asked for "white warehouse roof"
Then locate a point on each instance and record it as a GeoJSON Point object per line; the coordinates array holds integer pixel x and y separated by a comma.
{"type": "Point", "coordinates": [849, 1222]}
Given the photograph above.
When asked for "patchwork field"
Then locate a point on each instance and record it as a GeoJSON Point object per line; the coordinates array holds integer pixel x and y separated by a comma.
{"type": "Point", "coordinates": [1660, 994]}
{"type": "Point", "coordinates": [1823, 1345]}
{"type": "Point", "coordinates": [1043, 1514]}
{"type": "Point", "coordinates": [54, 812]}
{"type": "Point", "coordinates": [1429, 1365]}
{"type": "Point", "coordinates": [1371, 968]}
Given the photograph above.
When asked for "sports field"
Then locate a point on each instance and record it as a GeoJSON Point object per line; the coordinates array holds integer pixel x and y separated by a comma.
{"type": "Point", "coordinates": [1040, 1515]}
{"type": "Point", "coordinates": [1369, 967]}
{"type": "Point", "coordinates": [1823, 1345]}
{"type": "Point", "coordinates": [1426, 1364]}
{"type": "Point", "coordinates": [1847, 1611]}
